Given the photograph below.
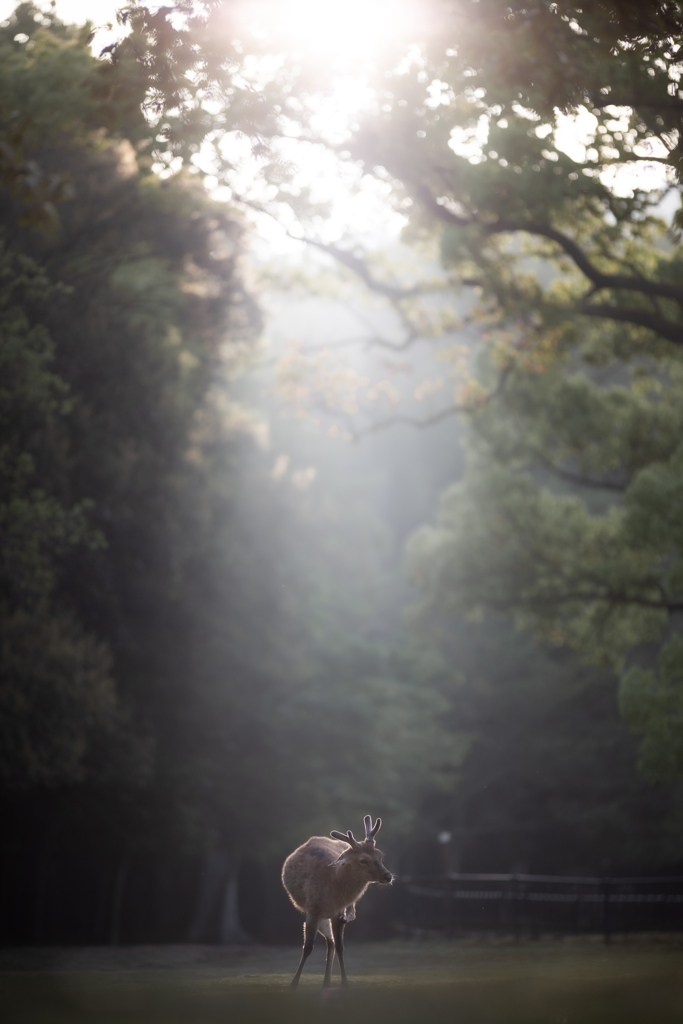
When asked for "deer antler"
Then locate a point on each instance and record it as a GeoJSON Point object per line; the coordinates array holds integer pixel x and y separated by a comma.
{"type": "Point", "coordinates": [348, 838]}
{"type": "Point", "coordinates": [370, 830]}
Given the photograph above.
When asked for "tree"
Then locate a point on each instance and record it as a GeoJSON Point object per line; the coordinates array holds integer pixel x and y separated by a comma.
{"type": "Point", "coordinates": [119, 326]}
{"type": "Point", "coordinates": [569, 517]}
{"type": "Point", "coordinates": [549, 783]}
{"type": "Point", "coordinates": [56, 683]}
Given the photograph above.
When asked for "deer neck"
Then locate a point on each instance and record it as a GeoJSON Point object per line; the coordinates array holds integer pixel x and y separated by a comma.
{"type": "Point", "coordinates": [349, 884]}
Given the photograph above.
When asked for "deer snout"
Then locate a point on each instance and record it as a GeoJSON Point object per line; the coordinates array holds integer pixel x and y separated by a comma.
{"type": "Point", "coordinates": [387, 877]}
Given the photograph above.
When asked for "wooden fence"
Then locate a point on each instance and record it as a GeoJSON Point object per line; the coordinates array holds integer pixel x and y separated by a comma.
{"type": "Point", "coordinates": [535, 904]}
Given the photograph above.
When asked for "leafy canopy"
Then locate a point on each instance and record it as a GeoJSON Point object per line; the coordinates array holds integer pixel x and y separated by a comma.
{"type": "Point", "coordinates": [570, 515]}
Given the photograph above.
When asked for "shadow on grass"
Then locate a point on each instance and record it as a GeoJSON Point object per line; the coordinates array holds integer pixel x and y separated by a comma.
{"type": "Point", "coordinates": [141, 999]}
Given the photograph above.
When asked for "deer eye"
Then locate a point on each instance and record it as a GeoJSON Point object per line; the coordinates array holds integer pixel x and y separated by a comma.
{"type": "Point", "coordinates": [364, 860]}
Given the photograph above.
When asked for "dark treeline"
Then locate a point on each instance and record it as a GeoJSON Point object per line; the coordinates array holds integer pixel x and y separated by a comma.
{"type": "Point", "coordinates": [203, 655]}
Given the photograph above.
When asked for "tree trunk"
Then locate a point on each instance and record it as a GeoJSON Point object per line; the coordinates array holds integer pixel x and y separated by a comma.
{"type": "Point", "coordinates": [218, 902]}
{"type": "Point", "coordinates": [117, 900]}
{"type": "Point", "coordinates": [230, 931]}
{"type": "Point", "coordinates": [210, 887]}
{"type": "Point", "coordinates": [41, 892]}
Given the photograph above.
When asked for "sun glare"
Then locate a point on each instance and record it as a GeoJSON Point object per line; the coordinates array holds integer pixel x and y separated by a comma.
{"type": "Point", "coordinates": [349, 29]}
{"type": "Point", "coordinates": [343, 32]}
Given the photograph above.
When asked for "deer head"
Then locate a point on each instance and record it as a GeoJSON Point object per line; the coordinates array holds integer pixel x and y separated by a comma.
{"type": "Point", "coordinates": [364, 857]}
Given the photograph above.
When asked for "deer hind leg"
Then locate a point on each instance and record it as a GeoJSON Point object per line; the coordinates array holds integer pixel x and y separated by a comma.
{"type": "Point", "coordinates": [310, 929]}
{"type": "Point", "coordinates": [338, 924]}
{"type": "Point", "coordinates": [325, 928]}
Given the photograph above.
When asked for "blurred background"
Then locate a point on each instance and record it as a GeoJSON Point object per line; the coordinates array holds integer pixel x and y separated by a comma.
{"type": "Point", "coordinates": [217, 446]}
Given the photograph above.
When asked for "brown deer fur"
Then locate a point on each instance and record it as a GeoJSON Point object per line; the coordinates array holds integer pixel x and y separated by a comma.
{"type": "Point", "coordinates": [324, 878]}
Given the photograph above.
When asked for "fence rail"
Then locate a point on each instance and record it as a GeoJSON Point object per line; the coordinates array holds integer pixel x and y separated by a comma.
{"type": "Point", "coordinates": [535, 903]}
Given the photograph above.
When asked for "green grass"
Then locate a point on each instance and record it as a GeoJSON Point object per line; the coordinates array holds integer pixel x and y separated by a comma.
{"type": "Point", "coordinates": [572, 981]}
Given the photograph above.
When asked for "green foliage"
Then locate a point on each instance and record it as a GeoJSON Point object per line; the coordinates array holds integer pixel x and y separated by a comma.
{"type": "Point", "coordinates": [52, 91]}
{"type": "Point", "coordinates": [56, 689]}
{"type": "Point", "coordinates": [186, 54]}
{"type": "Point", "coordinates": [57, 699]}
{"type": "Point", "coordinates": [176, 690]}
{"type": "Point", "coordinates": [569, 516]}
{"type": "Point", "coordinates": [652, 703]}
{"type": "Point", "coordinates": [36, 527]}
{"type": "Point", "coordinates": [113, 327]}
{"type": "Point", "coordinates": [549, 783]}
{"type": "Point", "coordinates": [502, 542]}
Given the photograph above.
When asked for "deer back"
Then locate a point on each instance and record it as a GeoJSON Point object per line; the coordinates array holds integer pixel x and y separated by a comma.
{"type": "Point", "coordinates": [309, 874]}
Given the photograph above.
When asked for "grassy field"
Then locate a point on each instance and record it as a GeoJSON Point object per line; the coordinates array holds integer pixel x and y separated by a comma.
{"type": "Point", "coordinates": [570, 981]}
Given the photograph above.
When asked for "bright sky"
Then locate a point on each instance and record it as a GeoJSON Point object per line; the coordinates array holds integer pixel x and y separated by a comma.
{"type": "Point", "coordinates": [343, 28]}
{"type": "Point", "coordinates": [76, 12]}
{"type": "Point", "coordinates": [71, 10]}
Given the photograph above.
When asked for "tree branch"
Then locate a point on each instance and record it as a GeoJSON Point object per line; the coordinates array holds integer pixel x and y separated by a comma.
{"type": "Point", "coordinates": [347, 259]}
{"type": "Point", "coordinates": [360, 268]}
{"type": "Point", "coordinates": [437, 417]}
{"type": "Point", "coordinates": [671, 103]}
{"type": "Point", "coordinates": [543, 600]}
{"type": "Point", "coordinates": [638, 317]}
{"type": "Point", "coordinates": [413, 421]}
{"type": "Point", "coordinates": [598, 278]}
{"type": "Point", "coordinates": [579, 480]}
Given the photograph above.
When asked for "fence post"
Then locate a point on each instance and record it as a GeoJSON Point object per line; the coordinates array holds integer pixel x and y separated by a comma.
{"type": "Point", "coordinates": [444, 839]}
{"type": "Point", "coordinates": [577, 907]}
{"type": "Point", "coordinates": [606, 918]}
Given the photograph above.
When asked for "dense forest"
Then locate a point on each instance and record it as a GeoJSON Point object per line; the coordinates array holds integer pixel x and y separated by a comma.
{"type": "Point", "coordinates": [264, 571]}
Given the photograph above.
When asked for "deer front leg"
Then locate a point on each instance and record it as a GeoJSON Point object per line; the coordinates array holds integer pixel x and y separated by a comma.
{"type": "Point", "coordinates": [325, 929]}
{"type": "Point", "coordinates": [310, 929]}
{"type": "Point", "coordinates": [338, 924]}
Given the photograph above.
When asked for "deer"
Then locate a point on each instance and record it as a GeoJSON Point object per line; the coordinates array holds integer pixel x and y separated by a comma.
{"type": "Point", "coordinates": [324, 879]}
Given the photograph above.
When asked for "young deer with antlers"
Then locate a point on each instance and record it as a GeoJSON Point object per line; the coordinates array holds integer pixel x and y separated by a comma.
{"type": "Point", "coordinates": [324, 878]}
